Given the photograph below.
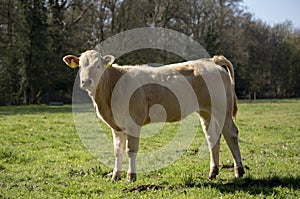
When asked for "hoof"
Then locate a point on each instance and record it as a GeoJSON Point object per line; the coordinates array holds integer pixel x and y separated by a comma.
{"type": "Point", "coordinates": [214, 171]}
{"type": "Point", "coordinates": [116, 176]}
{"type": "Point", "coordinates": [131, 177]}
{"type": "Point", "coordinates": [239, 172]}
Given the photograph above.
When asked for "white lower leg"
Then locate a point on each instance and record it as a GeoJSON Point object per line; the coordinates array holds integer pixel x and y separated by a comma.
{"type": "Point", "coordinates": [119, 143]}
{"type": "Point", "coordinates": [132, 162]}
{"type": "Point", "coordinates": [132, 149]}
{"type": "Point", "coordinates": [231, 137]}
{"type": "Point", "coordinates": [214, 160]}
{"type": "Point", "coordinates": [118, 161]}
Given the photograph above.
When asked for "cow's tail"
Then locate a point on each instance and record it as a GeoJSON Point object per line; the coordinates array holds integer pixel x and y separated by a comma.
{"type": "Point", "coordinates": [222, 61]}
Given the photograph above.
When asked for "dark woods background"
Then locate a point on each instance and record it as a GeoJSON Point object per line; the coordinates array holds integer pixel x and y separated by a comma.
{"type": "Point", "coordinates": [36, 34]}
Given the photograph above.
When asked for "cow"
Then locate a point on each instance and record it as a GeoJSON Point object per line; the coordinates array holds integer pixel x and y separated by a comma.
{"type": "Point", "coordinates": [156, 86]}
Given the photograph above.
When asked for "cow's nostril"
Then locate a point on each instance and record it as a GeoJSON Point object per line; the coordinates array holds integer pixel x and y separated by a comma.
{"type": "Point", "coordinates": [86, 82]}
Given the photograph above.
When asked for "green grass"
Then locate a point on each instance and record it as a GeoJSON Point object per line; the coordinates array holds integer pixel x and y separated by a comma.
{"type": "Point", "coordinates": [42, 156]}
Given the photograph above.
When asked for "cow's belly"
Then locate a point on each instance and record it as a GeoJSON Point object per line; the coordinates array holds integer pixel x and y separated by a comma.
{"type": "Point", "coordinates": [164, 99]}
{"type": "Point", "coordinates": [158, 103]}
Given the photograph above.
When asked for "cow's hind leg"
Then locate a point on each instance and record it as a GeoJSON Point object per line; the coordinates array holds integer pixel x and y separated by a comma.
{"type": "Point", "coordinates": [213, 138]}
{"type": "Point", "coordinates": [132, 150]}
{"type": "Point", "coordinates": [119, 139]}
{"type": "Point", "coordinates": [214, 160]}
{"type": "Point", "coordinates": [230, 133]}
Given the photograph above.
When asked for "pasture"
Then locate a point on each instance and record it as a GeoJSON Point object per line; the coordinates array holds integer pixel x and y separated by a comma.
{"type": "Point", "coordinates": [42, 156]}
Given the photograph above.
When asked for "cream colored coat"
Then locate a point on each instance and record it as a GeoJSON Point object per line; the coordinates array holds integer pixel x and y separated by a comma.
{"type": "Point", "coordinates": [128, 97]}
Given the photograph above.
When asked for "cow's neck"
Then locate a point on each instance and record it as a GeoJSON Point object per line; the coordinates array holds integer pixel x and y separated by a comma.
{"type": "Point", "coordinates": [102, 96]}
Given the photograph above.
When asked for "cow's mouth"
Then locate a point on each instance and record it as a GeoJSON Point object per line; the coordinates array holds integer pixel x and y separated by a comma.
{"type": "Point", "coordinates": [87, 86]}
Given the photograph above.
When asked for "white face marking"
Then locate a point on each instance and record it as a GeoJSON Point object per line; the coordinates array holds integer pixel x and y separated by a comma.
{"type": "Point", "coordinates": [91, 69]}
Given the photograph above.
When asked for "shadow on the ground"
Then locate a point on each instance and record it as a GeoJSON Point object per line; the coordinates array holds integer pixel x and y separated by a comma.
{"type": "Point", "coordinates": [34, 109]}
{"type": "Point", "coordinates": [255, 186]}
{"type": "Point", "coordinates": [266, 186]}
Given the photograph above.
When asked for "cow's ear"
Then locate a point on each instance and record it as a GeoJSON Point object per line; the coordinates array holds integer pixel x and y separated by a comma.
{"type": "Point", "coordinates": [71, 60]}
{"type": "Point", "coordinates": [108, 60]}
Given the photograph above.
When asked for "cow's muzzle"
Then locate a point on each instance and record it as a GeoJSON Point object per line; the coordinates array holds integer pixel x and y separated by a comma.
{"type": "Point", "coordinates": [86, 83]}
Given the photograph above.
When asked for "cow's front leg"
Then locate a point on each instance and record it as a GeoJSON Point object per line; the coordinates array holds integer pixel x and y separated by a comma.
{"type": "Point", "coordinates": [119, 139]}
{"type": "Point", "coordinates": [132, 150]}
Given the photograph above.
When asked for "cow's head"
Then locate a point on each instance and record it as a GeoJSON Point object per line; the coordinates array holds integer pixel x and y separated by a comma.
{"type": "Point", "coordinates": [92, 66]}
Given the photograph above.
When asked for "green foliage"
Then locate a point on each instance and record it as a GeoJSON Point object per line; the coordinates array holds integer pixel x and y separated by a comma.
{"type": "Point", "coordinates": [36, 34]}
{"type": "Point", "coordinates": [41, 156]}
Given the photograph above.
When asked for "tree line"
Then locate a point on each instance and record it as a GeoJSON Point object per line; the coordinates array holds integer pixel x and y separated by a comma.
{"type": "Point", "coordinates": [36, 34]}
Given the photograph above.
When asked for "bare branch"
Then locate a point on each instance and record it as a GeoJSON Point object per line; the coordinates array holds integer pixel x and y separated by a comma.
{"type": "Point", "coordinates": [67, 26]}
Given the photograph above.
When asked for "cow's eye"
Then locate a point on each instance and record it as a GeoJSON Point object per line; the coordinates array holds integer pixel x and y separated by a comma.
{"type": "Point", "coordinates": [98, 66]}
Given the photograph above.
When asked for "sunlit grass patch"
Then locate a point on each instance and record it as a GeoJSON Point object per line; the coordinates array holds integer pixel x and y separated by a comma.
{"type": "Point", "coordinates": [42, 156]}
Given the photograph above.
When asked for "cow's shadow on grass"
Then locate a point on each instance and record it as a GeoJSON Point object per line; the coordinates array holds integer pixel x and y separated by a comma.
{"type": "Point", "coordinates": [267, 185]}
{"type": "Point", "coordinates": [35, 109]}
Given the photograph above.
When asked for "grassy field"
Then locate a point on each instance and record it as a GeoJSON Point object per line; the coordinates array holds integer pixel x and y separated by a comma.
{"type": "Point", "coordinates": [42, 156]}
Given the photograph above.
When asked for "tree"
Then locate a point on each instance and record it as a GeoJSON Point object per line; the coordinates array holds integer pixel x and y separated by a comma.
{"type": "Point", "coordinates": [13, 46]}
{"type": "Point", "coordinates": [36, 34]}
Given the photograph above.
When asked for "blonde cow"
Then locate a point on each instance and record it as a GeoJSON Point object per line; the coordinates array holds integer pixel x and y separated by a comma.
{"type": "Point", "coordinates": [100, 77]}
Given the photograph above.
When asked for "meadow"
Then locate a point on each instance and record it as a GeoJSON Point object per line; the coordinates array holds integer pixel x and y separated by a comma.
{"type": "Point", "coordinates": [42, 156]}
